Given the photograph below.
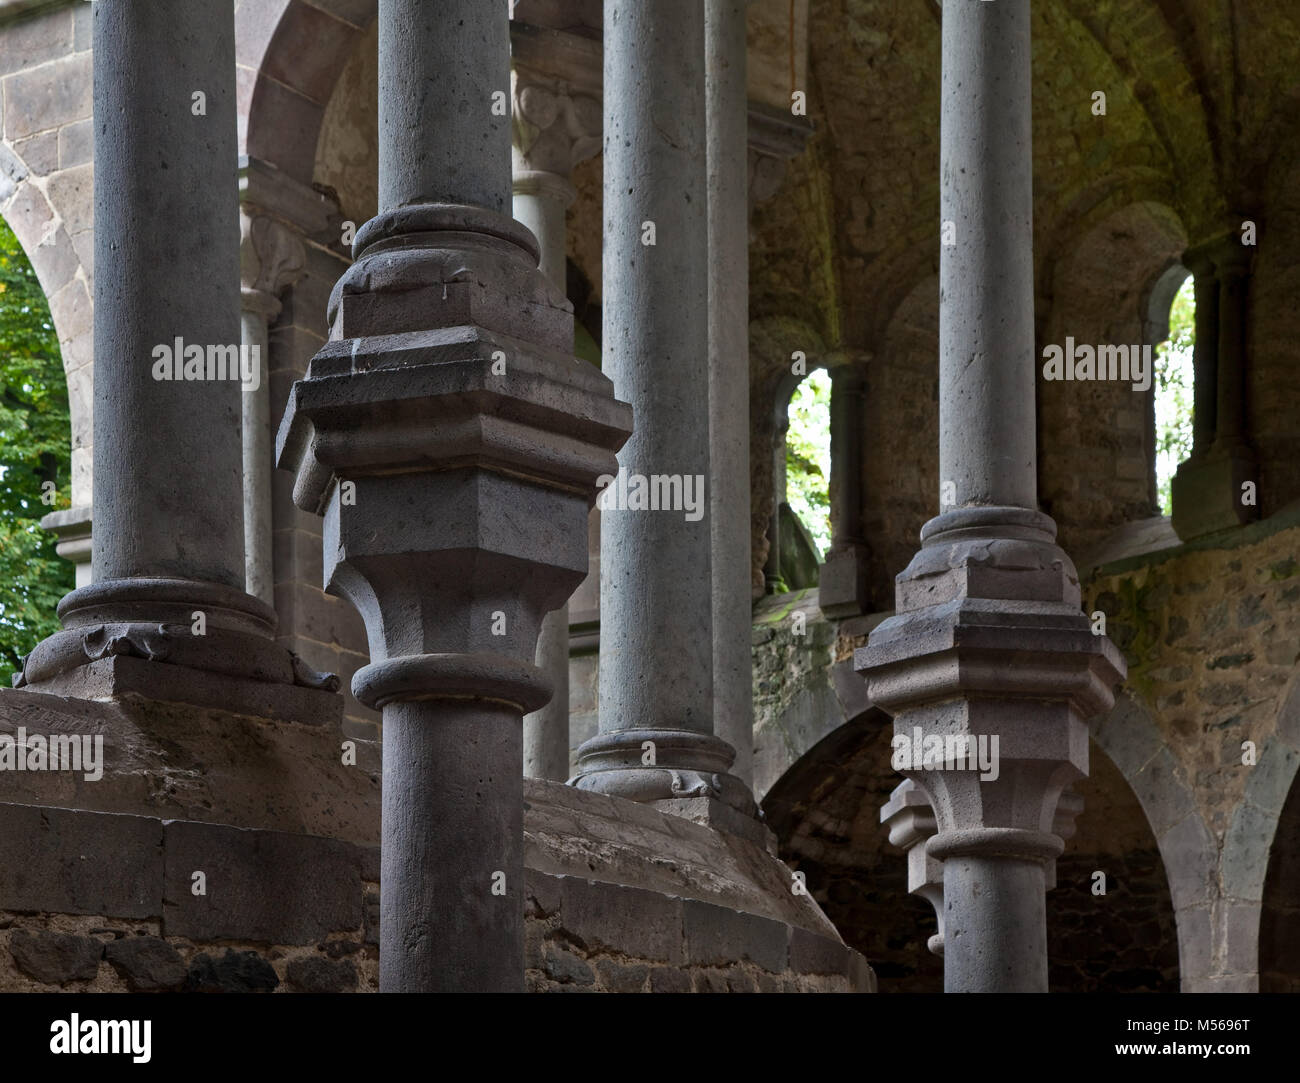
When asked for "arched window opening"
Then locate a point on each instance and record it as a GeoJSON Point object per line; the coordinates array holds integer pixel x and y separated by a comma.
{"type": "Point", "coordinates": [35, 457]}
{"type": "Point", "coordinates": [1173, 390]}
{"type": "Point", "coordinates": [808, 457]}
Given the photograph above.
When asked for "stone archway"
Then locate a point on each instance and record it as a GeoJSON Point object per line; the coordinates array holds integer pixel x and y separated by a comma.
{"type": "Point", "coordinates": [44, 233]}
{"type": "Point", "coordinates": [1267, 933]}
{"type": "Point", "coordinates": [289, 54]}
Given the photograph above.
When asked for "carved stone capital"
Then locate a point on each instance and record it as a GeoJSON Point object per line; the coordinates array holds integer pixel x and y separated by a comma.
{"type": "Point", "coordinates": [555, 127]}
{"type": "Point", "coordinates": [271, 259]}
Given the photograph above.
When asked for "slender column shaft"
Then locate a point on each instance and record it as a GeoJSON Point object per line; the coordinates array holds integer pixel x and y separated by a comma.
{"type": "Point", "coordinates": [167, 490]}
{"type": "Point", "coordinates": [258, 457]}
{"type": "Point", "coordinates": [656, 624]}
{"type": "Point", "coordinates": [656, 732]}
{"type": "Point", "coordinates": [995, 926]}
{"type": "Point", "coordinates": [986, 321]}
{"type": "Point", "coordinates": [440, 140]}
{"type": "Point", "coordinates": [1205, 359]}
{"type": "Point", "coordinates": [430, 939]}
{"type": "Point", "coordinates": [988, 640]}
{"type": "Point", "coordinates": [728, 156]}
{"type": "Point", "coordinates": [540, 201]}
{"type": "Point", "coordinates": [1231, 408]}
{"type": "Point", "coordinates": [846, 456]}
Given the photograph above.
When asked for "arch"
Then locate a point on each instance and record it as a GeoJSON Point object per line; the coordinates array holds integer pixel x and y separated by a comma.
{"type": "Point", "coordinates": [289, 55]}
{"type": "Point", "coordinates": [1264, 894]}
{"type": "Point", "coordinates": [43, 232]}
{"type": "Point", "coordinates": [1127, 734]}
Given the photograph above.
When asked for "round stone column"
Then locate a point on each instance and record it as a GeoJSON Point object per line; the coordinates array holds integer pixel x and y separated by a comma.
{"type": "Point", "coordinates": [728, 199]}
{"type": "Point", "coordinates": [168, 557]}
{"type": "Point", "coordinates": [656, 738]}
{"type": "Point", "coordinates": [553, 131]}
{"type": "Point", "coordinates": [989, 653]}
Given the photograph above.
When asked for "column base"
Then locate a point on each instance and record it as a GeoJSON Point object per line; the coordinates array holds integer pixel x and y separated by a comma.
{"type": "Point", "coordinates": [179, 640]}
{"type": "Point", "coordinates": [842, 586]}
{"type": "Point", "coordinates": [1207, 491]}
{"type": "Point", "coordinates": [650, 766]}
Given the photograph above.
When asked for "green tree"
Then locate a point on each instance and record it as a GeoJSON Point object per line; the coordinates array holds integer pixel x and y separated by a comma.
{"type": "Point", "coordinates": [808, 456]}
{"type": "Point", "coordinates": [1173, 388]}
{"type": "Point", "coordinates": [35, 448]}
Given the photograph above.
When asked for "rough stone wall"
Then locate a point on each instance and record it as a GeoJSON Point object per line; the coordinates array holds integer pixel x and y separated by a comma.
{"type": "Point", "coordinates": [1095, 464]}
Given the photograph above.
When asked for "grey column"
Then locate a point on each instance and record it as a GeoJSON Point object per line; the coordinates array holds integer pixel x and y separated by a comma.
{"type": "Point", "coordinates": [452, 444]}
{"type": "Point", "coordinates": [1233, 264]}
{"type": "Point", "coordinates": [168, 248]}
{"type": "Point", "coordinates": [988, 640]}
{"type": "Point", "coordinates": [656, 736]}
{"type": "Point", "coordinates": [728, 203]}
{"type": "Point", "coordinates": [271, 259]}
{"type": "Point", "coordinates": [1205, 358]}
{"type": "Point", "coordinates": [540, 200]}
{"type": "Point", "coordinates": [168, 500]}
{"type": "Point", "coordinates": [842, 585]}
{"type": "Point", "coordinates": [553, 130]}
{"type": "Point", "coordinates": [257, 454]}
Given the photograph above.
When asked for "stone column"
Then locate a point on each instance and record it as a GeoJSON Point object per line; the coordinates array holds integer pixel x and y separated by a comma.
{"type": "Point", "coordinates": [728, 208]}
{"type": "Point", "coordinates": [1232, 261]}
{"type": "Point", "coordinates": [453, 445]}
{"type": "Point", "coordinates": [168, 556]}
{"type": "Point", "coordinates": [271, 260]}
{"type": "Point", "coordinates": [988, 639]}
{"type": "Point", "coordinates": [553, 131]}
{"type": "Point", "coordinates": [842, 586]}
{"type": "Point", "coordinates": [1207, 489]}
{"type": "Point", "coordinates": [1205, 359]}
{"type": "Point", "coordinates": [656, 739]}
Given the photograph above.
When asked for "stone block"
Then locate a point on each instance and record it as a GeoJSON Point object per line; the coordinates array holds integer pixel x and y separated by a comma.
{"type": "Point", "coordinates": [234, 972]}
{"type": "Point", "coordinates": [1189, 855]}
{"type": "Point", "coordinates": [716, 936]}
{"type": "Point", "coordinates": [71, 862]}
{"type": "Point", "coordinates": [33, 41]}
{"type": "Point", "coordinates": [1246, 850]}
{"type": "Point", "coordinates": [147, 964]}
{"type": "Point", "coordinates": [618, 978]}
{"type": "Point", "coordinates": [316, 974]}
{"type": "Point", "coordinates": [309, 47]}
{"type": "Point", "coordinates": [625, 920]}
{"type": "Point", "coordinates": [76, 144]}
{"type": "Point", "coordinates": [563, 966]}
{"type": "Point", "coordinates": [48, 96]}
{"type": "Point", "coordinates": [40, 153]}
{"type": "Point", "coordinates": [668, 980]}
{"type": "Point", "coordinates": [813, 954]}
{"type": "Point", "coordinates": [261, 885]}
{"type": "Point", "coordinates": [55, 958]}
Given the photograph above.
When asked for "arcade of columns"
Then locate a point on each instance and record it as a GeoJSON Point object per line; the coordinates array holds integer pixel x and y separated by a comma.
{"type": "Point", "coordinates": [452, 445]}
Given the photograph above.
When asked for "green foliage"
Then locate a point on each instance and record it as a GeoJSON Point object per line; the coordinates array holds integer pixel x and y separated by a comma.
{"type": "Point", "coordinates": [1173, 388]}
{"type": "Point", "coordinates": [35, 447]}
{"type": "Point", "coordinates": [808, 456]}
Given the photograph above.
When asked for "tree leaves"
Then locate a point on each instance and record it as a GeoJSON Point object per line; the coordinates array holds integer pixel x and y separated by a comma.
{"type": "Point", "coordinates": [35, 447]}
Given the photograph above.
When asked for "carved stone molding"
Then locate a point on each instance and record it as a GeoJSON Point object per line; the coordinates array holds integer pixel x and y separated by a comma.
{"type": "Point", "coordinates": [555, 127]}
{"type": "Point", "coordinates": [271, 259]}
